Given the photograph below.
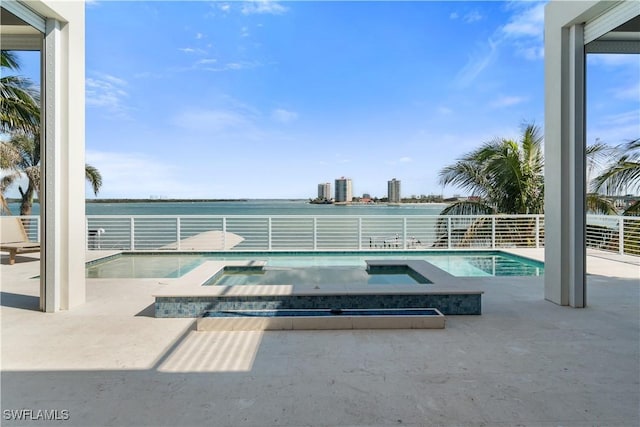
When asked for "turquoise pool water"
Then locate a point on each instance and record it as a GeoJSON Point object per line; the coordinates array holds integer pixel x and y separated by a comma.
{"type": "Point", "coordinates": [336, 275]}
{"type": "Point", "coordinates": [461, 264]}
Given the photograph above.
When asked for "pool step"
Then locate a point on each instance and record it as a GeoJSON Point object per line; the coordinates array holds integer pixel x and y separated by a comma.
{"type": "Point", "coordinates": [321, 319]}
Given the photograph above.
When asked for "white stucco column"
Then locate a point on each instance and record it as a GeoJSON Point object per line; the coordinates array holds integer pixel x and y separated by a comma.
{"type": "Point", "coordinates": [62, 195]}
{"type": "Point", "coordinates": [569, 25]}
{"type": "Point", "coordinates": [565, 187]}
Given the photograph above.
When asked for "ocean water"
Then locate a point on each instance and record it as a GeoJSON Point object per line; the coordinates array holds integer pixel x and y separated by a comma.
{"type": "Point", "coordinates": [249, 207]}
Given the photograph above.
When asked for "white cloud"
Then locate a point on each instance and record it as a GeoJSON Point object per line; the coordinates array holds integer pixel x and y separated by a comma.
{"type": "Point", "coordinates": [632, 92]}
{"type": "Point", "coordinates": [192, 50]}
{"type": "Point", "coordinates": [523, 33]}
{"type": "Point", "coordinates": [244, 32]}
{"type": "Point", "coordinates": [613, 60]}
{"type": "Point", "coordinates": [138, 175]}
{"type": "Point", "coordinates": [207, 65]}
{"type": "Point", "coordinates": [525, 30]}
{"type": "Point", "coordinates": [472, 16]}
{"type": "Point", "coordinates": [624, 118]}
{"type": "Point", "coordinates": [213, 64]}
{"type": "Point", "coordinates": [283, 116]}
{"type": "Point", "coordinates": [263, 7]}
{"type": "Point", "coordinates": [469, 17]}
{"type": "Point", "coordinates": [224, 7]}
{"type": "Point", "coordinates": [405, 159]}
{"type": "Point", "coordinates": [241, 65]}
{"type": "Point", "coordinates": [199, 36]}
{"type": "Point", "coordinates": [207, 61]}
{"type": "Point", "coordinates": [528, 23]}
{"type": "Point", "coordinates": [507, 101]}
{"type": "Point", "coordinates": [211, 120]}
{"type": "Point", "coordinates": [107, 92]}
{"type": "Point", "coordinates": [532, 53]}
{"type": "Point", "coordinates": [615, 128]}
{"type": "Point", "coordinates": [444, 110]}
{"type": "Point", "coordinates": [478, 61]}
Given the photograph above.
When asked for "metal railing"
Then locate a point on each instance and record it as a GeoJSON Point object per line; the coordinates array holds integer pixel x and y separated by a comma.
{"type": "Point", "coordinates": [31, 226]}
{"type": "Point", "coordinates": [619, 234]}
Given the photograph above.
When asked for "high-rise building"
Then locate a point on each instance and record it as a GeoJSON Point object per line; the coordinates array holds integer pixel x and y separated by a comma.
{"type": "Point", "coordinates": [324, 191]}
{"type": "Point", "coordinates": [393, 191]}
{"type": "Point", "coordinates": [344, 190]}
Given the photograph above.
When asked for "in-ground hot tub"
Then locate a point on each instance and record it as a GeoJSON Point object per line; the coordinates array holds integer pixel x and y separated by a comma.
{"type": "Point", "coordinates": [187, 297]}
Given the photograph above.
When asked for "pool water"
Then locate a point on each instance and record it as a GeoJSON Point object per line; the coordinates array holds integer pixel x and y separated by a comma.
{"type": "Point", "coordinates": [461, 264]}
{"type": "Point", "coordinates": [324, 312]}
{"type": "Point", "coordinates": [143, 266]}
{"type": "Point", "coordinates": [316, 276]}
{"type": "Point", "coordinates": [486, 265]}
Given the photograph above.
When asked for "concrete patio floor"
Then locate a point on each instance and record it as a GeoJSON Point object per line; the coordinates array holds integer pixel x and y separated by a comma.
{"type": "Point", "coordinates": [523, 362]}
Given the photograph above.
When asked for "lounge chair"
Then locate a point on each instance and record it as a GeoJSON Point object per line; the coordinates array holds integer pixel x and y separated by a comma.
{"type": "Point", "coordinates": [14, 239]}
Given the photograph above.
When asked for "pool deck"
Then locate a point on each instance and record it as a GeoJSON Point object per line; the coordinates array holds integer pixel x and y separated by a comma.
{"type": "Point", "coordinates": [524, 361]}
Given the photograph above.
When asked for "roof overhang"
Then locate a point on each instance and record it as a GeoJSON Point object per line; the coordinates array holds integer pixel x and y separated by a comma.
{"type": "Point", "coordinates": [616, 30]}
{"type": "Point", "coordinates": [20, 27]}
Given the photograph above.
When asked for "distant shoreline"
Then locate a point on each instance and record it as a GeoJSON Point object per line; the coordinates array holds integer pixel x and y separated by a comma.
{"type": "Point", "coordinates": [128, 200]}
{"type": "Point", "coordinates": [163, 200]}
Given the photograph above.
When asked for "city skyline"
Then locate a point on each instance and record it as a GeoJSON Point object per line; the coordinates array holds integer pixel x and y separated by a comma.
{"type": "Point", "coordinates": [240, 96]}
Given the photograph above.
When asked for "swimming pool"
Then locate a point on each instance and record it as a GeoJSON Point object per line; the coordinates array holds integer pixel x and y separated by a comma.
{"type": "Point", "coordinates": [172, 265]}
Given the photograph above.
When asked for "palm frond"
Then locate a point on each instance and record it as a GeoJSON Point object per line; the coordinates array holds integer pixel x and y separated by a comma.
{"type": "Point", "coordinates": [19, 105]}
{"type": "Point", "coordinates": [508, 175]}
{"type": "Point", "coordinates": [9, 60]}
{"type": "Point", "coordinates": [468, 207]}
{"type": "Point", "coordinates": [623, 174]}
{"type": "Point", "coordinates": [94, 177]}
{"type": "Point", "coordinates": [633, 210]}
{"type": "Point", "coordinates": [9, 156]}
{"type": "Point", "coordinates": [596, 203]}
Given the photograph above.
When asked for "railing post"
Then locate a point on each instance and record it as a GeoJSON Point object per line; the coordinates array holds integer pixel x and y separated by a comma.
{"type": "Point", "coordinates": [360, 233]}
{"type": "Point", "coordinates": [315, 233]}
{"type": "Point", "coordinates": [621, 235]}
{"type": "Point", "coordinates": [269, 234]}
{"type": "Point", "coordinates": [178, 238]}
{"type": "Point", "coordinates": [493, 232]}
{"type": "Point", "coordinates": [133, 234]}
{"type": "Point", "coordinates": [449, 246]}
{"type": "Point", "coordinates": [404, 232]}
{"type": "Point", "coordinates": [224, 233]}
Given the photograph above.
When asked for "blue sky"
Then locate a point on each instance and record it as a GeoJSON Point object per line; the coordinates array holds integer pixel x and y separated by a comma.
{"type": "Point", "coordinates": [268, 99]}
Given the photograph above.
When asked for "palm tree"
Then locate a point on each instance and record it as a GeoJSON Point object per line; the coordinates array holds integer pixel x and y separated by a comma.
{"type": "Point", "coordinates": [597, 155]}
{"type": "Point", "coordinates": [503, 175]}
{"type": "Point", "coordinates": [20, 117]}
{"type": "Point", "coordinates": [9, 159]}
{"type": "Point", "coordinates": [19, 99]}
{"type": "Point", "coordinates": [28, 149]}
{"type": "Point", "coordinates": [622, 175]}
